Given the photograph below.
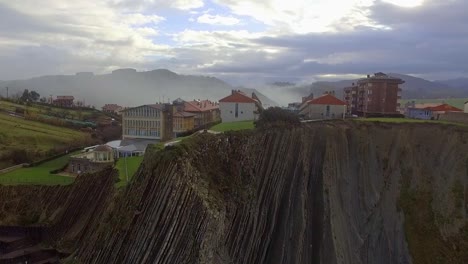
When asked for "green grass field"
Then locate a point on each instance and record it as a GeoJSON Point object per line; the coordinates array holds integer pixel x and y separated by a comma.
{"type": "Point", "coordinates": [39, 175]}
{"type": "Point", "coordinates": [133, 163]}
{"type": "Point", "coordinates": [234, 126]}
{"type": "Point", "coordinates": [457, 102]}
{"type": "Point", "coordinates": [35, 138]}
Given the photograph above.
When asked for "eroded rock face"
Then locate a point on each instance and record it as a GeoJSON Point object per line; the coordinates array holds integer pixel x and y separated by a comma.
{"type": "Point", "coordinates": [324, 193]}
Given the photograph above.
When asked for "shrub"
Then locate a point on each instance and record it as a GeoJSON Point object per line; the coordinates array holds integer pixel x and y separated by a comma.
{"type": "Point", "coordinates": [277, 116]}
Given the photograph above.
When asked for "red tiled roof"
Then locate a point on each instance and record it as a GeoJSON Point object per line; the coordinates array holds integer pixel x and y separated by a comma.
{"type": "Point", "coordinates": [237, 97]}
{"type": "Point", "coordinates": [200, 106]}
{"type": "Point", "coordinates": [326, 99]}
{"type": "Point", "coordinates": [444, 108]}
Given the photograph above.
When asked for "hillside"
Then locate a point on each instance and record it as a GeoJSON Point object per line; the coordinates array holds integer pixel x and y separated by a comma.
{"type": "Point", "coordinates": [23, 141]}
{"type": "Point", "coordinates": [336, 192]}
{"type": "Point", "coordinates": [126, 87]}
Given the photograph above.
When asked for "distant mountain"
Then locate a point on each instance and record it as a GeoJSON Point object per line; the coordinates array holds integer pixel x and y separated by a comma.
{"type": "Point", "coordinates": [126, 87]}
{"type": "Point", "coordinates": [412, 88]}
{"type": "Point", "coordinates": [460, 83]}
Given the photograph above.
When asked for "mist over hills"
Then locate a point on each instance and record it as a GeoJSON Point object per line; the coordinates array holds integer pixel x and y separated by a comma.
{"type": "Point", "coordinates": [129, 87]}
{"type": "Point", "coordinates": [125, 86]}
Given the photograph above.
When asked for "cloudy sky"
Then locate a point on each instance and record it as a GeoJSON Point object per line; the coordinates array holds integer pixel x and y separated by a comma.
{"type": "Point", "coordinates": [240, 41]}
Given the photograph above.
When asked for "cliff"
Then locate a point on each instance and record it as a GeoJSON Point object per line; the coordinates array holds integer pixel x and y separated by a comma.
{"type": "Point", "coordinates": [333, 192]}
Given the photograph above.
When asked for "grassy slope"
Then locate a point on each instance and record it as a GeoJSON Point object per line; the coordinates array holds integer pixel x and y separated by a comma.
{"type": "Point", "coordinates": [38, 175]}
{"type": "Point", "coordinates": [234, 126]}
{"type": "Point", "coordinates": [133, 163]}
{"type": "Point", "coordinates": [35, 137]}
{"type": "Point", "coordinates": [457, 102]}
{"type": "Point", "coordinates": [42, 109]}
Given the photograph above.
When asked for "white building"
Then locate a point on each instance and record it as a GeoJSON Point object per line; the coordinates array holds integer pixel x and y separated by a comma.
{"type": "Point", "coordinates": [326, 106]}
{"type": "Point", "coordinates": [466, 107]}
{"type": "Point", "coordinates": [239, 107]}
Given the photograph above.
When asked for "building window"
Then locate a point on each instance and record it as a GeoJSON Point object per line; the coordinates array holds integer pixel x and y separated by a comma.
{"type": "Point", "coordinates": [237, 110]}
{"type": "Point", "coordinates": [369, 91]}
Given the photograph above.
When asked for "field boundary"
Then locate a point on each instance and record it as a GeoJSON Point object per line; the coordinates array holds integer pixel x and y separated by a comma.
{"type": "Point", "coordinates": [12, 168]}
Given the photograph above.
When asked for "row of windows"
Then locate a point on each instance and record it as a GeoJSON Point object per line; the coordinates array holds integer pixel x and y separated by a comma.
{"type": "Point", "coordinates": [142, 132]}
{"type": "Point", "coordinates": [142, 123]}
{"type": "Point", "coordinates": [143, 112]}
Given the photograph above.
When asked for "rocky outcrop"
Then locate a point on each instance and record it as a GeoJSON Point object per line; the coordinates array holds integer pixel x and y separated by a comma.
{"type": "Point", "coordinates": [333, 192]}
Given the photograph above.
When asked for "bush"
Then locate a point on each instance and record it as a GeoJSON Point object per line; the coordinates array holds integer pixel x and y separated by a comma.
{"type": "Point", "coordinates": [277, 116]}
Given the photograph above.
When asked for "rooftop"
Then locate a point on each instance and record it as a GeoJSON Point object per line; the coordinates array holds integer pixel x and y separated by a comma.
{"type": "Point", "coordinates": [200, 106]}
{"type": "Point", "coordinates": [326, 99]}
{"type": "Point", "coordinates": [238, 97]}
{"type": "Point", "coordinates": [444, 108]}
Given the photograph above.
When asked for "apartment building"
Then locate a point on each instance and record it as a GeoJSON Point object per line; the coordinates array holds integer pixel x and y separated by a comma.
{"type": "Point", "coordinates": [378, 94]}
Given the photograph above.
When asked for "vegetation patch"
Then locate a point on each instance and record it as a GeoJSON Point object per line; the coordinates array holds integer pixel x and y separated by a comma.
{"type": "Point", "coordinates": [24, 141]}
{"type": "Point", "coordinates": [127, 168]}
{"type": "Point", "coordinates": [233, 126]}
{"type": "Point", "coordinates": [39, 175]}
{"type": "Point", "coordinates": [425, 241]}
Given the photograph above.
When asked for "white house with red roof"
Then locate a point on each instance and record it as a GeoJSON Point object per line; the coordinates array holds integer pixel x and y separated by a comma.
{"type": "Point", "coordinates": [326, 106]}
{"type": "Point", "coordinates": [239, 107]}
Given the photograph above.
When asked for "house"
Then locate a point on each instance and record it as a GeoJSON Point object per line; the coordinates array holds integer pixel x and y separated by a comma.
{"type": "Point", "coordinates": [64, 101]}
{"type": "Point", "coordinates": [183, 122]}
{"type": "Point", "coordinates": [88, 162]}
{"type": "Point", "coordinates": [326, 106]}
{"type": "Point", "coordinates": [239, 107]}
{"type": "Point", "coordinates": [206, 112]}
{"type": "Point", "coordinates": [465, 109]}
{"type": "Point", "coordinates": [442, 109]}
{"type": "Point", "coordinates": [112, 108]}
{"type": "Point", "coordinates": [378, 94]}
{"type": "Point", "coordinates": [153, 122]}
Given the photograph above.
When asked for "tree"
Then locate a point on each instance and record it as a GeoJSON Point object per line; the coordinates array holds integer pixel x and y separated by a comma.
{"type": "Point", "coordinates": [43, 100]}
{"type": "Point", "coordinates": [277, 116]}
{"type": "Point", "coordinates": [34, 96]}
{"type": "Point", "coordinates": [25, 97]}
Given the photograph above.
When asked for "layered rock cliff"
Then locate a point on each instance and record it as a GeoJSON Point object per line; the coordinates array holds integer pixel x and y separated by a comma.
{"type": "Point", "coordinates": [322, 193]}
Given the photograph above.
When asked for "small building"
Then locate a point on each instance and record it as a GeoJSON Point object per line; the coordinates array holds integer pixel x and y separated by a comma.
{"type": "Point", "coordinates": [239, 107]}
{"type": "Point", "coordinates": [64, 101]}
{"type": "Point", "coordinates": [326, 106]}
{"type": "Point", "coordinates": [112, 108]}
{"type": "Point", "coordinates": [92, 161]}
{"type": "Point", "coordinates": [205, 111]}
{"type": "Point", "coordinates": [466, 107]}
{"type": "Point", "coordinates": [442, 109]}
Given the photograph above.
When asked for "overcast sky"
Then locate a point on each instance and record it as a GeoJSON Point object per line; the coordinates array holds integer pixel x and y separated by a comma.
{"type": "Point", "coordinates": [240, 41]}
